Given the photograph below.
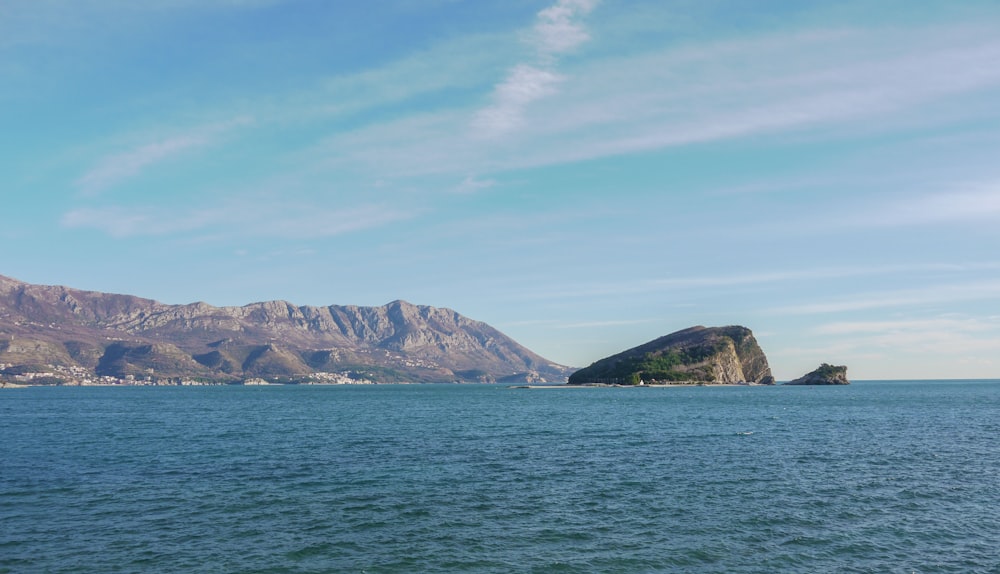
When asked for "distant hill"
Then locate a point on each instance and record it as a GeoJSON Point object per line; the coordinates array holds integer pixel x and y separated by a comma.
{"type": "Point", "coordinates": [698, 355]}
{"type": "Point", "coordinates": [110, 335]}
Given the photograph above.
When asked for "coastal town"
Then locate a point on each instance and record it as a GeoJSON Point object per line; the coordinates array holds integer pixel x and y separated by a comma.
{"type": "Point", "coordinates": [17, 376]}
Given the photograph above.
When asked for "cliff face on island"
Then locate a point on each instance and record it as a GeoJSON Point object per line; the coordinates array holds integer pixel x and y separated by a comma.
{"type": "Point", "coordinates": [824, 375]}
{"type": "Point", "coordinates": [698, 354]}
{"type": "Point", "coordinates": [110, 335]}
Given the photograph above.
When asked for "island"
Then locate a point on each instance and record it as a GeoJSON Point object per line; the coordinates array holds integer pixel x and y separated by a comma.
{"type": "Point", "coordinates": [696, 355]}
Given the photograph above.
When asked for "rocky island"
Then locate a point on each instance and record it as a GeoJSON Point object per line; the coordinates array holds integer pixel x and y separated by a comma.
{"type": "Point", "coordinates": [697, 355]}
{"type": "Point", "coordinates": [825, 374]}
{"type": "Point", "coordinates": [58, 335]}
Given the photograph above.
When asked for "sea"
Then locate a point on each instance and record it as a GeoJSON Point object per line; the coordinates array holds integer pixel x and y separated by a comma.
{"type": "Point", "coordinates": [877, 476]}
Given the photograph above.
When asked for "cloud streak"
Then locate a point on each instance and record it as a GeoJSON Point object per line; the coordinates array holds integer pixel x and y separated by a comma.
{"type": "Point", "coordinates": [910, 325]}
{"type": "Point", "coordinates": [610, 323]}
{"type": "Point", "coordinates": [661, 285]}
{"type": "Point", "coordinates": [236, 219]}
{"type": "Point", "coordinates": [968, 343]}
{"type": "Point", "coordinates": [807, 84]}
{"type": "Point", "coordinates": [974, 203]}
{"type": "Point", "coordinates": [947, 293]}
{"type": "Point", "coordinates": [119, 167]}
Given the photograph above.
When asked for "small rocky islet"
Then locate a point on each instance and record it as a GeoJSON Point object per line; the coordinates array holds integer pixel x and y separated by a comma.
{"type": "Point", "coordinates": [825, 374]}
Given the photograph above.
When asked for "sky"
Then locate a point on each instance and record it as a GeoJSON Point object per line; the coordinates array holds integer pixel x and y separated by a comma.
{"type": "Point", "coordinates": [584, 175]}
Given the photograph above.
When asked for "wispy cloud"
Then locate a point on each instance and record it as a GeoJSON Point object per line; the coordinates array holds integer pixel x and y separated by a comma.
{"type": "Point", "coordinates": [118, 167]}
{"type": "Point", "coordinates": [941, 293]}
{"type": "Point", "coordinates": [824, 83]}
{"type": "Point", "coordinates": [819, 273]}
{"type": "Point", "coordinates": [925, 338]}
{"type": "Point", "coordinates": [979, 202]}
{"type": "Point", "coordinates": [964, 324]}
{"type": "Point", "coordinates": [910, 345]}
{"type": "Point", "coordinates": [284, 219]}
{"type": "Point", "coordinates": [635, 286]}
{"type": "Point", "coordinates": [472, 184]}
{"type": "Point", "coordinates": [462, 63]}
{"type": "Point", "coordinates": [557, 324]}
{"type": "Point", "coordinates": [610, 323]}
{"type": "Point", "coordinates": [675, 98]}
{"type": "Point", "coordinates": [122, 222]}
{"type": "Point", "coordinates": [558, 30]}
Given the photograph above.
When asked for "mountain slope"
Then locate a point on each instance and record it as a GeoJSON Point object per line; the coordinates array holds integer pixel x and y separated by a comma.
{"type": "Point", "coordinates": [123, 335]}
{"type": "Point", "coordinates": [698, 354]}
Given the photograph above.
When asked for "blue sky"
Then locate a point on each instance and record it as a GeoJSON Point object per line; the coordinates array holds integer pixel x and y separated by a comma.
{"type": "Point", "coordinates": [583, 175]}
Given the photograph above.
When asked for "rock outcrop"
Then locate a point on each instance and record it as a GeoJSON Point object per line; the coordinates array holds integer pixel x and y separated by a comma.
{"type": "Point", "coordinates": [123, 335]}
{"type": "Point", "coordinates": [824, 375]}
{"type": "Point", "coordinates": [697, 355]}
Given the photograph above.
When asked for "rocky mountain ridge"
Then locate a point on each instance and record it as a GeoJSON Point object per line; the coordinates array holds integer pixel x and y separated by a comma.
{"type": "Point", "coordinates": [126, 336]}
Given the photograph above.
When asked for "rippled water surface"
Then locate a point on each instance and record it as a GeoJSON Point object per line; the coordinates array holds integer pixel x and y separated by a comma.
{"type": "Point", "coordinates": [873, 477]}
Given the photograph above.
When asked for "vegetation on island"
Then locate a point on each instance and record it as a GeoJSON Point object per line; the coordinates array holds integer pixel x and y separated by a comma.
{"type": "Point", "coordinates": [828, 370]}
{"type": "Point", "coordinates": [670, 366]}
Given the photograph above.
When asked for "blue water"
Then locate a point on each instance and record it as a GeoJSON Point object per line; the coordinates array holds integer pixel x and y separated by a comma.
{"type": "Point", "coordinates": [872, 477]}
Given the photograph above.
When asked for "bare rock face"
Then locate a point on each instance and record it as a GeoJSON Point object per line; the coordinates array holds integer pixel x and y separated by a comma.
{"type": "Point", "coordinates": [824, 375]}
{"type": "Point", "coordinates": [122, 335]}
{"type": "Point", "coordinates": [698, 354]}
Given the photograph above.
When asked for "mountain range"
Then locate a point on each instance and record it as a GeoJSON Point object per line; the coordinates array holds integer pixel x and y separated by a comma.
{"type": "Point", "coordinates": [93, 334]}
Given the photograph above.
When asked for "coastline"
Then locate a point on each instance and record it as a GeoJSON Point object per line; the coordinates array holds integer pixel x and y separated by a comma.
{"type": "Point", "coordinates": [654, 386]}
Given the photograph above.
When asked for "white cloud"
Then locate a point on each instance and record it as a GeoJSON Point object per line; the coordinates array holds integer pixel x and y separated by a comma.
{"type": "Point", "coordinates": [557, 31]}
{"type": "Point", "coordinates": [522, 86]}
{"type": "Point", "coordinates": [118, 167]}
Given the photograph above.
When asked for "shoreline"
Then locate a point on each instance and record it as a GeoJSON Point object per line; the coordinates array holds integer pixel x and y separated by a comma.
{"type": "Point", "coordinates": [652, 386]}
